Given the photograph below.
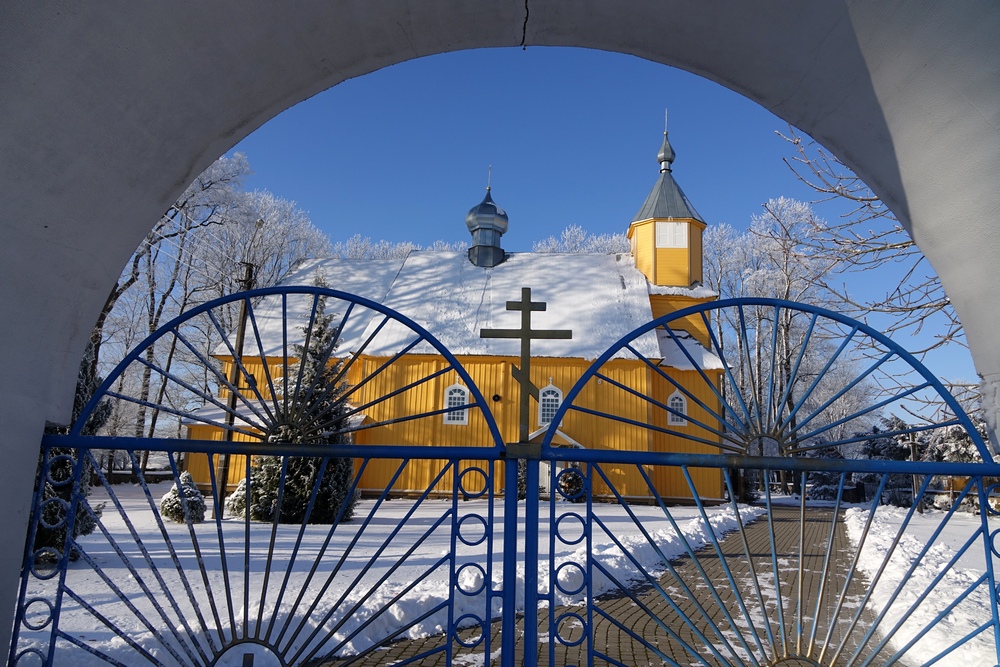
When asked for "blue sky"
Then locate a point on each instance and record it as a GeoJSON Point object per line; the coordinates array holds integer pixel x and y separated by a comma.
{"type": "Point", "coordinates": [571, 134]}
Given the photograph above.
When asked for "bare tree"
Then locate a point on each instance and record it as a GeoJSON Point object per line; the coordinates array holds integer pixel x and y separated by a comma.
{"type": "Point", "coordinates": [870, 237]}
{"type": "Point", "coordinates": [262, 229]}
{"type": "Point", "coordinates": [362, 247]}
{"type": "Point", "coordinates": [196, 252]}
{"type": "Point", "coordinates": [775, 355]}
{"type": "Point", "coordinates": [205, 202]}
{"type": "Point", "coordinates": [575, 239]}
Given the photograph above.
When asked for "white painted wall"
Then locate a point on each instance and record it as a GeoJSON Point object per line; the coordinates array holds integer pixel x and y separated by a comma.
{"type": "Point", "coordinates": [93, 146]}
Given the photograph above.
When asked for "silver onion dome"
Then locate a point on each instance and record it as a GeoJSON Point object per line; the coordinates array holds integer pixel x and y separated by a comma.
{"type": "Point", "coordinates": [487, 215]}
{"type": "Point", "coordinates": [666, 155]}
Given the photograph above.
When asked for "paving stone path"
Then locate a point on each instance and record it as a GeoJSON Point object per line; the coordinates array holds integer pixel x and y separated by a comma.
{"type": "Point", "coordinates": [645, 630]}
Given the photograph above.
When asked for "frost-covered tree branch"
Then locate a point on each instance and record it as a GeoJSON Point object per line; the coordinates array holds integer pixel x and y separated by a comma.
{"type": "Point", "coordinates": [870, 237]}
{"type": "Point", "coordinates": [575, 239]}
{"type": "Point", "coordinates": [362, 247]}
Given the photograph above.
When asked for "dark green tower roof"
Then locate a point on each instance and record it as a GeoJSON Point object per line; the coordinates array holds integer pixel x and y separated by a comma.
{"type": "Point", "coordinates": [667, 200]}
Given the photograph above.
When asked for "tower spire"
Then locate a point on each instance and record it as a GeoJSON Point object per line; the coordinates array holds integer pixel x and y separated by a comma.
{"type": "Point", "coordinates": [666, 155]}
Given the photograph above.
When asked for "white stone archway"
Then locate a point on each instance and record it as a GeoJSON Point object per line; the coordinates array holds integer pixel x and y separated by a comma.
{"type": "Point", "coordinates": [94, 144]}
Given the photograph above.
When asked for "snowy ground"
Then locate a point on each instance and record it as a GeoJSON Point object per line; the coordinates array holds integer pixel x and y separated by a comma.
{"type": "Point", "coordinates": [924, 576]}
{"type": "Point", "coordinates": [389, 576]}
{"type": "Point", "coordinates": [393, 581]}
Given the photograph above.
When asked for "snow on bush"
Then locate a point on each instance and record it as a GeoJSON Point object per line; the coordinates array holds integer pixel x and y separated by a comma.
{"type": "Point", "coordinates": [191, 506]}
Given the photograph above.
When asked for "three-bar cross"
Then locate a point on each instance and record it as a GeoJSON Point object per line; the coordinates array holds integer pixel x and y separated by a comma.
{"type": "Point", "coordinates": [526, 334]}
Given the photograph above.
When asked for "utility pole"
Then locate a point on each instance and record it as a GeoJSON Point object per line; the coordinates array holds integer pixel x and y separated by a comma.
{"type": "Point", "coordinates": [916, 478]}
{"type": "Point", "coordinates": [246, 284]}
{"type": "Point", "coordinates": [222, 474]}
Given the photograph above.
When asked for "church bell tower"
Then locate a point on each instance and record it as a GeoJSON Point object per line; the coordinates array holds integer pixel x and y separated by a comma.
{"type": "Point", "coordinates": [665, 234]}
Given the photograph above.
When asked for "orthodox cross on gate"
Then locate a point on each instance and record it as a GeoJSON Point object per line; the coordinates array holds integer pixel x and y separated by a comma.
{"type": "Point", "coordinates": [526, 334]}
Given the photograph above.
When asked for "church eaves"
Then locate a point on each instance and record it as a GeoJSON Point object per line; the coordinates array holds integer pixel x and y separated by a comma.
{"type": "Point", "coordinates": [666, 200]}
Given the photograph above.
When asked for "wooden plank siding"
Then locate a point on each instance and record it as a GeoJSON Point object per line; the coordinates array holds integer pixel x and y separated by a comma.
{"type": "Point", "coordinates": [493, 377]}
{"type": "Point", "coordinates": [672, 266]}
{"type": "Point", "coordinates": [198, 464]}
{"type": "Point", "coordinates": [421, 396]}
{"type": "Point", "coordinates": [708, 482]}
{"type": "Point", "coordinates": [664, 304]}
{"type": "Point", "coordinates": [645, 247]}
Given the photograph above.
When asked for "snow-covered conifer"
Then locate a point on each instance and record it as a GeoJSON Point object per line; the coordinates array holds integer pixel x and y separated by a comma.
{"type": "Point", "coordinates": [190, 506]}
{"type": "Point", "coordinates": [288, 484]}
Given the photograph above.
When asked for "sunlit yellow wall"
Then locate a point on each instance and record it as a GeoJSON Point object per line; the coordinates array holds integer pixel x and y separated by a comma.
{"type": "Point", "coordinates": [643, 235]}
{"type": "Point", "coordinates": [198, 464]}
{"type": "Point", "coordinates": [672, 267]}
{"type": "Point", "coordinates": [493, 376]}
{"type": "Point", "coordinates": [663, 304]}
{"type": "Point", "coordinates": [700, 425]}
{"type": "Point", "coordinates": [419, 397]}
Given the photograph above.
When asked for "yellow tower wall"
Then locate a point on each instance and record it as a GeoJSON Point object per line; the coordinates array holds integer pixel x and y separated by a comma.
{"type": "Point", "coordinates": [680, 267]}
{"type": "Point", "coordinates": [672, 267]}
{"type": "Point", "coordinates": [644, 241]}
{"type": "Point", "coordinates": [664, 304]}
{"type": "Point", "coordinates": [695, 232]}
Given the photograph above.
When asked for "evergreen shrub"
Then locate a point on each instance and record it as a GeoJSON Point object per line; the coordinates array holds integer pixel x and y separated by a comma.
{"type": "Point", "coordinates": [571, 484]}
{"type": "Point", "coordinates": [181, 509]}
{"type": "Point", "coordinates": [317, 416]}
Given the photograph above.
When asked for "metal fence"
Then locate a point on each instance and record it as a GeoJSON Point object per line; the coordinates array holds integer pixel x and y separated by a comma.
{"type": "Point", "coordinates": [728, 524]}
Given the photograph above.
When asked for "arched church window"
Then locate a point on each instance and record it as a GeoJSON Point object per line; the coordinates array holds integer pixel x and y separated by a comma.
{"type": "Point", "coordinates": [678, 404]}
{"type": "Point", "coordinates": [455, 397]}
{"type": "Point", "coordinates": [549, 400]}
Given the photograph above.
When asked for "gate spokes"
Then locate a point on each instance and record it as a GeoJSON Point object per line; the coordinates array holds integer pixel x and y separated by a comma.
{"type": "Point", "coordinates": [322, 536]}
{"type": "Point", "coordinates": [842, 546]}
{"type": "Point", "coordinates": [747, 495]}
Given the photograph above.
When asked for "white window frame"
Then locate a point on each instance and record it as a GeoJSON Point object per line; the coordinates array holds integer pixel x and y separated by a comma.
{"type": "Point", "coordinates": [671, 235]}
{"type": "Point", "coordinates": [679, 403]}
{"type": "Point", "coordinates": [456, 417]}
{"type": "Point", "coordinates": [543, 394]}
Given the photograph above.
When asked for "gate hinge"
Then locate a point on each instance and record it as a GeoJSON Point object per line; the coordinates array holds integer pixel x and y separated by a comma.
{"type": "Point", "coordinates": [524, 450]}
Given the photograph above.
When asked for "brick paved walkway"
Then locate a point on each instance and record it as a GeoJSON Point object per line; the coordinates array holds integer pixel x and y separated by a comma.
{"type": "Point", "coordinates": [635, 636]}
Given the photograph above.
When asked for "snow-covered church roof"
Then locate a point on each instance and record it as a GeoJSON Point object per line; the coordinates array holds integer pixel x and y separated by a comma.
{"type": "Point", "coordinates": [600, 298]}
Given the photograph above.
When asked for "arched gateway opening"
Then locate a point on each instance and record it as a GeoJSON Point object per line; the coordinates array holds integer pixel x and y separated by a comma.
{"type": "Point", "coordinates": [93, 144]}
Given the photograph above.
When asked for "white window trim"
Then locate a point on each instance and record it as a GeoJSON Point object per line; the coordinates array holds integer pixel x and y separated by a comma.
{"type": "Point", "coordinates": [672, 419]}
{"type": "Point", "coordinates": [541, 393]}
{"type": "Point", "coordinates": [456, 417]}
{"type": "Point", "coordinates": [671, 235]}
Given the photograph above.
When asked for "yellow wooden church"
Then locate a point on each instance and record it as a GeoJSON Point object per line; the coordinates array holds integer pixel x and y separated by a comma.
{"type": "Point", "coordinates": [455, 295]}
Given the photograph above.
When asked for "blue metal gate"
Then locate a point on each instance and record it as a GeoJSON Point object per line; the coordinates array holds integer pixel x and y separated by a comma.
{"type": "Point", "coordinates": [734, 528]}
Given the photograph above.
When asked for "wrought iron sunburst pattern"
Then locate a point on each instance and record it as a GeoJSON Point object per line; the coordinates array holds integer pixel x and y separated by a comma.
{"type": "Point", "coordinates": [782, 401]}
